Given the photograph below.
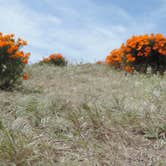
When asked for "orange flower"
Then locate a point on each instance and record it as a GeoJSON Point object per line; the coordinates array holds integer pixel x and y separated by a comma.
{"type": "Point", "coordinates": [25, 61]}
{"type": "Point", "coordinates": [155, 47]}
{"type": "Point", "coordinates": [128, 69]}
{"type": "Point", "coordinates": [100, 62]}
{"type": "Point", "coordinates": [138, 48]}
{"type": "Point", "coordinates": [53, 57]}
{"type": "Point", "coordinates": [130, 58]}
{"type": "Point", "coordinates": [25, 76]}
{"type": "Point", "coordinates": [56, 56]}
{"type": "Point", "coordinates": [115, 57]}
{"type": "Point", "coordinates": [18, 54]}
{"type": "Point", "coordinates": [12, 49]}
{"type": "Point", "coordinates": [59, 56]}
{"type": "Point", "coordinates": [140, 54]}
{"type": "Point", "coordinates": [46, 59]}
{"type": "Point", "coordinates": [26, 57]}
{"type": "Point", "coordinates": [108, 60]}
{"type": "Point", "coordinates": [2, 44]}
{"type": "Point", "coordinates": [21, 42]}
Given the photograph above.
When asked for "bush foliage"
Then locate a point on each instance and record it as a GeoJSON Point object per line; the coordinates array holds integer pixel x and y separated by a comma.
{"type": "Point", "coordinates": [56, 59]}
{"type": "Point", "coordinates": [139, 53]}
{"type": "Point", "coordinates": [12, 61]}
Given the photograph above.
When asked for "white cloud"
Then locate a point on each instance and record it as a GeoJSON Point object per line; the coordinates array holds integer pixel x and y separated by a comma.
{"type": "Point", "coordinates": [80, 31]}
{"type": "Point", "coordinates": [27, 24]}
{"type": "Point", "coordinates": [54, 19]}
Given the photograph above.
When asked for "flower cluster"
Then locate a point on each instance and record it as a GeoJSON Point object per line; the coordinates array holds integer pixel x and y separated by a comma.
{"type": "Point", "coordinates": [12, 60]}
{"type": "Point", "coordinates": [11, 48]}
{"type": "Point", "coordinates": [56, 59]}
{"type": "Point", "coordinates": [139, 53]}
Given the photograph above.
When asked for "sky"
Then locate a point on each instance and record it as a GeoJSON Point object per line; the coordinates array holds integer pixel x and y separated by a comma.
{"type": "Point", "coordinates": [81, 30]}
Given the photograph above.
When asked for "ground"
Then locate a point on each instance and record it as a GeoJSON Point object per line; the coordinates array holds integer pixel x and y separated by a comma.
{"type": "Point", "coordinates": [83, 115]}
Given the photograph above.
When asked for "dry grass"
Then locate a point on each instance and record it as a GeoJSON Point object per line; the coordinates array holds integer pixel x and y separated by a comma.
{"type": "Point", "coordinates": [84, 115]}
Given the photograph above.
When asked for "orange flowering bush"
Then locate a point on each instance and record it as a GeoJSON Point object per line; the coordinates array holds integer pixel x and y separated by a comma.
{"type": "Point", "coordinates": [12, 60]}
{"type": "Point", "coordinates": [139, 53]}
{"type": "Point", "coordinates": [100, 62]}
{"type": "Point", "coordinates": [56, 59]}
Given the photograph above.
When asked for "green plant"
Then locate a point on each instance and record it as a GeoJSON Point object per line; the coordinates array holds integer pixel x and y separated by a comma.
{"type": "Point", "coordinates": [156, 132]}
{"type": "Point", "coordinates": [12, 61]}
{"type": "Point", "coordinates": [13, 147]}
{"type": "Point", "coordinates": [56, 59]}
{"type": "Point", "coordinates": [139, 53]}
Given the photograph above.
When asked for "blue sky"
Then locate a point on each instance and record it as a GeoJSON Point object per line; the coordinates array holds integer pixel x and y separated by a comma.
{"type": "Point", "coordinates": [82, 30]}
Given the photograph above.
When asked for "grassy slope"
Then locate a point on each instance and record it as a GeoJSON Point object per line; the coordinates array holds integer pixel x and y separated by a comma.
{"type": "Point", "coordinates": [84, 115]}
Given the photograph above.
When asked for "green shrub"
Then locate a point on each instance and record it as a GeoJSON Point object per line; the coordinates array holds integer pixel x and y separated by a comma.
{"type": "Point", "coordinates": [56, 59]}
{"type": "Point", "coordinates": [12, 61]}
{"type": "Point", "coordinates": [139, 53]}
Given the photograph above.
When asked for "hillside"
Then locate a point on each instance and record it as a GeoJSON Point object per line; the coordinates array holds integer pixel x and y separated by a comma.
{"type": "Point", "coordinates": [84, 115]}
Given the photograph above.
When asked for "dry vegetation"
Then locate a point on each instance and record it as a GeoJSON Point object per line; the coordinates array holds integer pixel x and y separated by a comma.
{"type": "Point", "coordinates": [84, 115]}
